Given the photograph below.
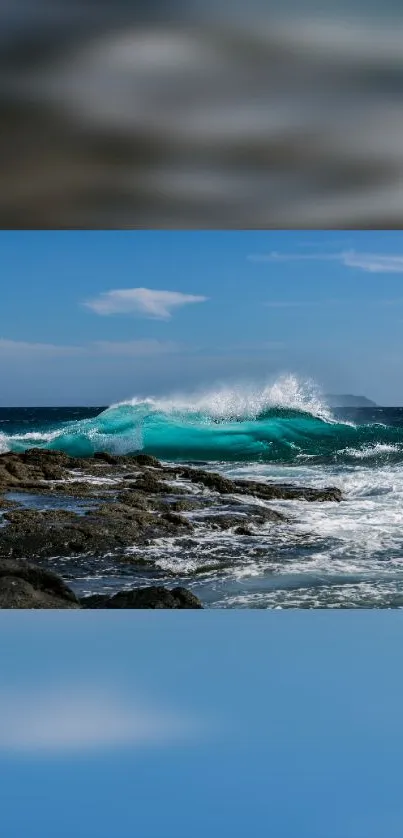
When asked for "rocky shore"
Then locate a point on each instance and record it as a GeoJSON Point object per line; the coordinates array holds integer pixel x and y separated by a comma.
{"type": "Point", "coordinates": [115, 503]}
{"type": "Point", "coordinates": [24, 585]}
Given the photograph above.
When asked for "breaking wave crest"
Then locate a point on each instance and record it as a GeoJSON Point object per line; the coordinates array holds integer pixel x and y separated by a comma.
{"type": "Point", "coordinates": [284, 422]}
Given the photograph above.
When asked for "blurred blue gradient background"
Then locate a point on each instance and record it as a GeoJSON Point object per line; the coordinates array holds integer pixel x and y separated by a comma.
{"type": "Point", "coordinates": [286, 725]}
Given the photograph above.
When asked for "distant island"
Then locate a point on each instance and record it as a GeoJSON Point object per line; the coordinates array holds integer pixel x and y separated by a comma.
{"type": "Point", "coordinates": [349, 401]}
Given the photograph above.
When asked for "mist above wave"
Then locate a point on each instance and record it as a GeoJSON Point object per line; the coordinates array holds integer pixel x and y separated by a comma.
{"type": "Point", "coordinates": [244, 401]}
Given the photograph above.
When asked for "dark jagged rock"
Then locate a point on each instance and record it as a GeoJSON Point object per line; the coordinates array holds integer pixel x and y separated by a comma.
{"type": "Point", "coordinates": [17, 593]}
{"type": "Point", "coordinates": [60, 533]}
{"type": "Point", "coordinates": [78, 489]}
{"type": "Point", "coordinates": [23, 585]}
{"type": "Point", "coordinates": [267, 491]}
{"type": "Point", "coordinates": [211, 480]}
{"type": "Point", "coordinates": [119, 514]}
{"type": "Point", "coordinates": [149, 484]}
{"type": "Point", "coordinates": [133, 498]}
{"type": "Point", "coordinates": [177, 520]}
{"type": "Point", "coordinates": [53, 472]}
{"type": "Point", "coordinates": [106, 458]}
{"type": "Point", "coordinates": [152, 597]}
{"type": "Point", "coordinates": [184, 505]}
{"type": "Point", "coordinates": [147, 460]}
{"type": "Point", "coordinates": [5, 503]}
{"type": "Point", "coordinates": [223, 522]}
{"type": "Point", "coordinates": [255, 516]}
{"type": "Point", "coordinates": [36, 465]}
{"type": "Point", "coordinates": [110, 527]}
{"type": "Point", "coordinates": [40, 456]}
{"type": "Point", "coordinates": [32, 466]}
{"type": "Point", "coordinates": [243, 531]}
{"type": "Point", "coordinates": [281, 491]}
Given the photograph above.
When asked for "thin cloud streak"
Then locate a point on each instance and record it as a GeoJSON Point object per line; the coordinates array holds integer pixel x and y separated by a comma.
{"type": "Point", "coordinates": [130, 349]}
{"type": "Point", "coordinates": [374, 263]}
{"type": "Point", "coordinates": [367, 262]}
{"type": "Point", "coordinates": [141, 301]}
{"type": "Point", "coordinates": [306, 303]}
{"type": "Point", "coordinates": [295, 303]}
{"type": "Point", "coordinates": [134, 348]}
{"type": "Point", "coordinates": [21, 349]}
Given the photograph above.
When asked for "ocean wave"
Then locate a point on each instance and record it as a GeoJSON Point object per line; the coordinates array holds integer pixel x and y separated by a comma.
{"type": "Point", "coordinates": [284, 422]}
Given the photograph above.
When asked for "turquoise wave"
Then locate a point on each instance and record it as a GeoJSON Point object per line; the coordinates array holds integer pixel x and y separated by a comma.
{"type": "Point", "coordinates": [272, 434]}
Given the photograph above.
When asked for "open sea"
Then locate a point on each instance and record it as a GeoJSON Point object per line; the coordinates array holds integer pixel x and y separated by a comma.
{"type": "Point", "coordinates": [337, 555]}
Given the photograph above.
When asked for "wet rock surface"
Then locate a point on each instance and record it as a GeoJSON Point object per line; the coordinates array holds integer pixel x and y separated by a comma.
{"type": "Point", "coordinates": [27, 586]}
{"type": "Point", "coordinates": [274, 491]}
{"type": "Point", "coordinates": [111, 527]}
{"type": "Point", "coordinates": [152, 597]}
{"type": "Point", "coordinates": [133, 502]}
{"type": "Point", "coordinates": [35, 467]}
{"type": "Point", "coordinates": [23, 585]}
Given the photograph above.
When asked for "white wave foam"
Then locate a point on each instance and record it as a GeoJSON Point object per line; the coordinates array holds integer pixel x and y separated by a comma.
{"type": "Point", "coordinates": [371, 450]}
{"type": "Point", "coordinates": [35, 436]}
{"type": "Point", "coordinates": [243, 401]}
{"type": "Point", "coordinates": [8, 442]}
{"type": "Point", "coordinates": [4, 446]}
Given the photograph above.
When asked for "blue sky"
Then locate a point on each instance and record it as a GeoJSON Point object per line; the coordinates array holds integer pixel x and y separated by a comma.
{"type": "Point", "coordinates": [285, 724]}
{"type": "Point", "coordinates": [95, 317]}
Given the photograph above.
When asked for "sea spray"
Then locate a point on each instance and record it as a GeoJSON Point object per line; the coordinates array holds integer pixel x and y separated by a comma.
{"type": "Point", "coordinates": [242, 401]}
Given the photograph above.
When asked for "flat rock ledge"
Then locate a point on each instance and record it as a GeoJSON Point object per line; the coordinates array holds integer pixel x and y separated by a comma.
{"type": "Point", "coordinates": [26, 586]}
{"type": "Point", "coordinates": [38, 469]}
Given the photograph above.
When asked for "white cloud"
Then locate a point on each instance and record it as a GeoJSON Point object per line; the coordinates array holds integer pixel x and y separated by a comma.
{"type": "Point", "coordinates": [143, 301]}
{"type": "Point", "coordinates": [368, 262]}
{"type": "Point", "coordinates": [80, 718]}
